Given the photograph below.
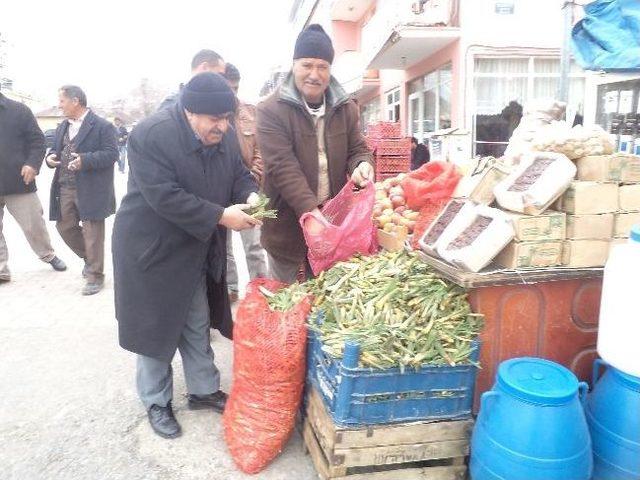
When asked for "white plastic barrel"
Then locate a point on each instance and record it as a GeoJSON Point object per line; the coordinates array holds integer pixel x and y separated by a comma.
{"type": "Point", "coordinates": [619, 330]}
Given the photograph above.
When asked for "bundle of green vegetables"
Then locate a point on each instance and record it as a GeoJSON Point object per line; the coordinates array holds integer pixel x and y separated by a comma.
{"type": "Point", "coordinates": [260, 210]}
{"type": "Point", "coordinates": [400, 311]}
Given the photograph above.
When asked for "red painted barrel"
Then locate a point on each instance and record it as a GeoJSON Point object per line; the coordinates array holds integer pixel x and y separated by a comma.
{"type": "Point", "coordinates": [554, 320]}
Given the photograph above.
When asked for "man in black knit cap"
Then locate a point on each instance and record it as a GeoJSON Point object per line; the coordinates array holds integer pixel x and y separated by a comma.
{"type": "Point", "coordinates": [310, 139]}
{"type": "Point", "coordinates": [188, 184]}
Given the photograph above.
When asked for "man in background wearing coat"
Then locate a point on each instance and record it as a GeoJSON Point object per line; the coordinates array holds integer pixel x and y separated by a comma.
{"type": "Point", "coordinates": [310, 139]}
{"type": "Point", "coordinates": [244, 125]}
{"type": "Point", "coordinates": [21, 152]}
{"type": "Point", "coordinates": [82, 189]}
{"type": "Point", "coordinates": [187, 185]}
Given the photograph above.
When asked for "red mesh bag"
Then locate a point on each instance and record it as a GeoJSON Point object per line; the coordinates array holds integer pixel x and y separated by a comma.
{"type": "Point", "coordinates": [269, 350]}
{"type": "Point", "coordinates": [426, 216]}
{"type": "Point", "coordinates": [433, 181]}
{"type": "Point", "coordinates": [349, 228]}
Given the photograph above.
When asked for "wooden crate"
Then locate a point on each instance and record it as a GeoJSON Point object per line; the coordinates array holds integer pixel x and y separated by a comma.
{"type": "Point", "coordinates": [407, 451]}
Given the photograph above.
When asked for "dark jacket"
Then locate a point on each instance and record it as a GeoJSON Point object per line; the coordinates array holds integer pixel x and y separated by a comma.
{"type": "Point", "coordinates": [419, 156]}
{"type": "Point", "coordinates": [166, 231]}
{"type": "Point", "coordinates": [97, 145]}
{"type": "Point", "coordinates": [289, 145]}
{"type": "Point", "coordinates": [21, 143]}
{"type": "Point", "coordinates": [123, 134]}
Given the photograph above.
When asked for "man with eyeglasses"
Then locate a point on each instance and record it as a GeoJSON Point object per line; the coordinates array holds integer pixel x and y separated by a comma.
{"type": "Point", "coordinates": [187, 185]}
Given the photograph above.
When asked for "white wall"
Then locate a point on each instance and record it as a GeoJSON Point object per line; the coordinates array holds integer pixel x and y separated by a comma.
{"type": "Point", "coordinates": [534, 23]}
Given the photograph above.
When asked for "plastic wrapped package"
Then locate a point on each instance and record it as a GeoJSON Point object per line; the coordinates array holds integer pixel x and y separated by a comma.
{"type": "Point", "coordinates": [535, 183]}
{"type": "Point", "coordinates": [439, 231]}
{"type": "Point", "coordinates": [576, 142]}
{"type": "Point", "coordinates": [537, 115]}
{"type": "Point", "coordinates": [476, 238]}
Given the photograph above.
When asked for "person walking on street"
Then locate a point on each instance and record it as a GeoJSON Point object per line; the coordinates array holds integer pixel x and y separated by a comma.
{"type": "Point", "coordinates": [82, 188]}
{"type": "Point", "coordinates": [244, 125]}
{"type": "Point", "coordinates": [123, 134]}
{"type": "Point", "coordinates": [310, 139]}
{"type": "Point", "coordinates": [22, 149]}
{"type": "Point", "coordinates": [203, 61]}
{"type": "Point", "coordinates": [187, 186]}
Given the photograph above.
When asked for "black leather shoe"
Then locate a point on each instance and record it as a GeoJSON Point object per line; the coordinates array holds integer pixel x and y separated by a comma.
{"type": "Point", "coordinates": [215, 401]}
{"type": "Point", "coordinates": [5, 279]}
{"type": "Point", "coordinates": [57, 264]}
{"type": "Point", "coordinates": [91, 288]}
{"type": "Point", "coordinates": [163, 422]}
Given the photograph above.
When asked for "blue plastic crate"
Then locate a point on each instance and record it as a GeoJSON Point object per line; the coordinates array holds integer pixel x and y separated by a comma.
{"type": "Point", "coordinates": [364, 396]}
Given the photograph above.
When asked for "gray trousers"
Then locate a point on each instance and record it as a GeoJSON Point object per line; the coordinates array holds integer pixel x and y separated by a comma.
{"type": "Point", "coordinates": [286, 271]}
{"type": "Point", "coordinates": [27, 210]}
{"type": "Point", "coordinates": [155, 377]}
{"type": "Point", "coordinates": [254, 253]}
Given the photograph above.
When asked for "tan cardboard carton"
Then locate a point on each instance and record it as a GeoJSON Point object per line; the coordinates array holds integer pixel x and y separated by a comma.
{"type": "Point", "coordinates": [585, 253]}
{"type": "Point", "coordinates": [629, 198]}
{"type": "Point", "coordinates": [623, 223]}
{"type": "Point", "coordinates": [391, 241]}
{"type": "Point", "coordinates": [582, 198]}
{"type": "Point", "coordinates": [618, 167]}
{"type": "Point", "coordinates": [519, 255]}
{"type": "Point", "coordinates": [550, 225]}
{"type": "Point", "coordinates": [595, 227]}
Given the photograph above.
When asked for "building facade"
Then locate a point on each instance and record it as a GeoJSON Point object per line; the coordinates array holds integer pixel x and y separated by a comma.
{"type": "Point", "coordinates": [439, 64]}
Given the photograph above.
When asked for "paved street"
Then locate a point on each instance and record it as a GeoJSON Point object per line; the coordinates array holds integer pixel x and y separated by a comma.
{"type": "Point", "coordinates": [68, 408]}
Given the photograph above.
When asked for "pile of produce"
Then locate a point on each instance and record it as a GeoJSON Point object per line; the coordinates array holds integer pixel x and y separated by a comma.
{"type": "Point", "coordinates": [400, 311]}
{"type": "Point", "coordinates": [573, 142]}
{"type": "Point", "coordinates": [390, 211]}
{"type": "Point", "coordinates": [259, 210]}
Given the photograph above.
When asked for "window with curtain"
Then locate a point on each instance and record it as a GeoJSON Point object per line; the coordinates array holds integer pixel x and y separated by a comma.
{"type": "Point", "coordinates": [430, 102]}
{"type": "Point", "coordinates": [503, 85]}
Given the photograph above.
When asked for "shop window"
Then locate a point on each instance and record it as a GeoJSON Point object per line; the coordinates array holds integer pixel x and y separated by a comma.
{"type": "Point", "coordinates": [430, 103]}
{"type": "Point", "coordinates": [502, 86]}
{"type": "Point", "coordinates": [369, 114]}
{"type": "Point", "coordinates": [393, 105]}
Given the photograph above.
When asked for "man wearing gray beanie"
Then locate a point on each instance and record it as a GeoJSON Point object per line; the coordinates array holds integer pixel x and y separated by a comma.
{"type": "Point", "coordinates": [310, 139]}
{"type": "Point", "coordinates": [187, 185]}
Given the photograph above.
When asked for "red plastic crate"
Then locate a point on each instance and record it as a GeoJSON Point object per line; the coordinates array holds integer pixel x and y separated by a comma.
{"type": "Point", "coordinates": [384, 130]}
{"type": "Point", "coordinates": [388, 164]}
{"type": "Point", "coordinates": [393, 147]}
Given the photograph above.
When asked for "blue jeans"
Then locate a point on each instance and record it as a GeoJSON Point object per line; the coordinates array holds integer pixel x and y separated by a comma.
{"type": "Point", "coordinates": [122, 150]}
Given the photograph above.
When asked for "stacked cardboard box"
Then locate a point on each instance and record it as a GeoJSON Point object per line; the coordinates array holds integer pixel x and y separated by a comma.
{"type": "Point", "coordinates": [538, 241]}
{"type": "Point", "coordinates": [601, 206]}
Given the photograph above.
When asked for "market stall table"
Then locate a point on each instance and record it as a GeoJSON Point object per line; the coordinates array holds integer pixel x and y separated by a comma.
{"type": "Point", "coordinates": [550, 313]}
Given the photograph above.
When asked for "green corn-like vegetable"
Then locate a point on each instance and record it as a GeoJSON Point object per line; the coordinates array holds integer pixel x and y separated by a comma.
{"type": "Point", "coordinates": [260, 210]}
{"type": "Point", "coordinates": [400, 311]}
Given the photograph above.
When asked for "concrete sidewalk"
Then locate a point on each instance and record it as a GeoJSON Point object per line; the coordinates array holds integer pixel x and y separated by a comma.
{"type": "Point", "coordinates": [68, 408]}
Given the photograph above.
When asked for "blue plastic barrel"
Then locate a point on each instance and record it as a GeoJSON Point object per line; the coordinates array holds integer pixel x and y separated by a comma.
{"type": "Point", "coordinates": [532, 426]}
{"type": "Point", "coordinates": [613, 415]}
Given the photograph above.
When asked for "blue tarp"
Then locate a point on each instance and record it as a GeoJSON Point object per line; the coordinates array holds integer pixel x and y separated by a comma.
{"type": "Point", "coordinates": [608, 37]}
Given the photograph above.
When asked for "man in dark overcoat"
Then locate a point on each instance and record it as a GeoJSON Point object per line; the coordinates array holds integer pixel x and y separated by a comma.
{"type": "Point", "coordinates": [21, 152]}
{"type": "Point", "coordinates": [187, 186]}
{"type": "Point", "coordinates": [82, 193]}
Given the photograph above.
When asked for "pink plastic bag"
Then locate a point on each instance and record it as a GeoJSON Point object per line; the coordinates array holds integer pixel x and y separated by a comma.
{"type": "Point", "coordinates": [349, 228]}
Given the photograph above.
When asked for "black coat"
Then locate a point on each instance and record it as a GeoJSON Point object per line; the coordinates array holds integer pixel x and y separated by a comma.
{"type": "Point", "coordinates": [21, 143]}
{"type": "Point", "coordinates": [166, 231]}
{"type": "Point", "coordinates": [97, 145]}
